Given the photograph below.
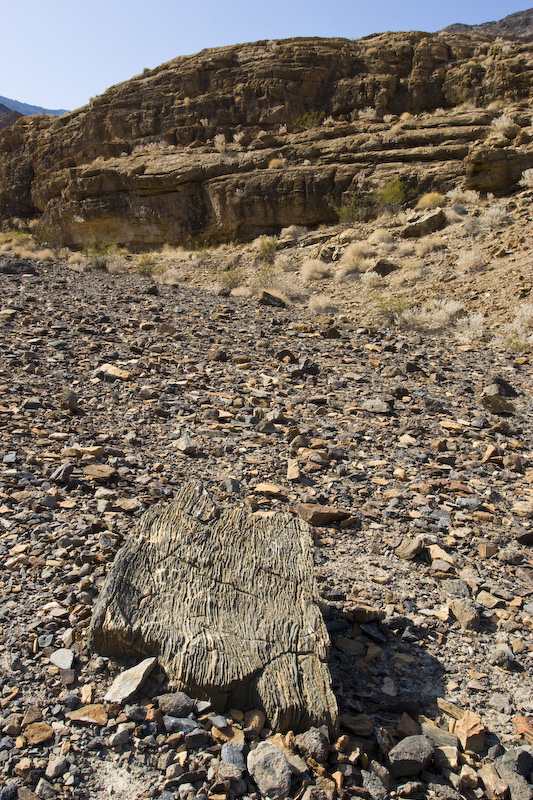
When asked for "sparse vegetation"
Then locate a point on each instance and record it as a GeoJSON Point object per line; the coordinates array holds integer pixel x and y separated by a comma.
{"type": "Point", "coordinates": [392, 193]}
{"type": "Point", "coordinates": [527, 179]}
{"type": "Point", "coordinates": [276, 163]}
{"type": "Point", "coordinates": [314, 270]}
{"type": "Point", "coordinates": [430, 316]}
{"type": "Point", "coordinates": [311, 119]}
{"type": "Point", "coordinates": [430, 200]}
{"type": "Point", "coordinates": [266, 248]}
{"type": "Point", "coordinates": [322, 304]}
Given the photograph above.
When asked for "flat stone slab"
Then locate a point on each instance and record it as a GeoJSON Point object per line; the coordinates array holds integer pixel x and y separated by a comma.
{"type": "Point", "coordinates": [228, 603]}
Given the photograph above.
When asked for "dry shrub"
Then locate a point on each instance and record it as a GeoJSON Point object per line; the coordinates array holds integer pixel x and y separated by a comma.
{"type": "Point", "coordinates": [220, 142]}
{"type": "Point", "coordinates": [505, 125]}
{"type": "Point", "coordinates": [41, 255]}
{"type": "Point", "coordinates": [354, 254]}
{"type": "Point", "coordinates": [430, 244]}
{"type": "Point", "coordinates": [471, 260]}
{"type": "Point", "coordinates": [527, 179]}
{"type": "Point", "coordinates": [276, 163]}
{"type": "Point", "coordinates": [470, 328]}
{"type": "Point", "coordinates": [431, 316]}
{"type": "Point", "coordinates": [463, 196]}
{"type": "Point", "coordinates": [292, 233]}
{"type": "Point", "coordinates": [405, 249]}
{"type": "Point", "coordinates": [380, 236]}
{"type": "Point", "coordinates": [407, 276]}
{"type": "Point", "coordinates": [430, 200]}
{"type": "Point", "coordinates": [322, 304]}
{"type": "Point", "coordinates": [371, 278]}
{"type": "Point", "coordinates": [493, 219]}
{"type": "Point", "coordinates": [285, 262]}
{"type": "Point", "coordinates": [313, 270]}
{"type": "Point", "coordinates": [518, 334]}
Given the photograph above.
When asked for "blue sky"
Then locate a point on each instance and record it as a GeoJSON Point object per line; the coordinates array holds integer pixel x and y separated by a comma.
{"type": "Point", "coordinates": [59, 53]}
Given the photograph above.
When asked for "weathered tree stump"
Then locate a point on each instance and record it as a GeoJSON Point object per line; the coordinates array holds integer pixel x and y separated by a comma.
{"type": "Point", "coordinates": [228, 602]}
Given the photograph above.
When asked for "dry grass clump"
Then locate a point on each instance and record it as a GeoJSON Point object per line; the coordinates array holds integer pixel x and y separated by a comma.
{"type": "Point", "coordinates": [430, 200]}
{"type": "Point", "coordinates": [371, 278]}
{"type": "Point", "coordinates": [493, 219]}
{"type": "Point", "coordinates": [276, 163]}
{"type": "Point", "coordinates": [313, 269]}
{"type": "Point", "coordinates": [470, 329]}
{"type": "Point", "coordinates": [433, 315]}
{"type": "Point", "coordinates": [354, 256]}
{"type": "Point", "coordinates": [430, 244]}
{"type": "Point", "coordinates": [322, 304]}
{"type": "Point", "coordinates": [527, 179]}
{"type": "Point", "coordinates": [505, 126]}
{"type": "Point", "coordinates": [380, 236]}
{"type": "Point", "coordinates": [292, 233]}
{"type": "Point", "coordinates": [286, 262]}
{"type": "Point", "coordinates": [464, 196]}
{"type": "Point", "coordinates": [518, 334]}
{"type": "Point", "coordinates": [405, 249]}
{"type": "Point", "coordinates": [407, 276]}
{"type": "Point", "coordinates": [471, 260]}
{"type": "Point", "coordinates": [266, 248]}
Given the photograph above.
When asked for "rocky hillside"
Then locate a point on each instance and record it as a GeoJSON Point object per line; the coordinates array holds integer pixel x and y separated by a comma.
{"type": "Point", "coordinates": [234, 141]}
{"type": "Point", "coordinates": [519, 26]}
{"type": "Point", "coordinates": [8, 116]}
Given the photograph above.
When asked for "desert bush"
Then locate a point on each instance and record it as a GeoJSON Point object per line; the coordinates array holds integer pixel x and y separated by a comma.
{"type": "Point", "coordinates": [431, 316]}
{"type": "Point", "coordinates": [311, 119]}
{"type": "Point", "coordinates": [405, 249]}
{"type": "Point", "coordinates": [430, 244]}
{"type": "Point", "coordinates": [430, 200]}
{"type": "Point", "coordinates": [238, 137]}
{"type": "Point", "coordinates": [518, 334]}
{"type": "Point", "coordinates": [470, 328]}
{"type": "Point", "coordinates": [276, 163]}
{"type": "Point", "coordinates": [351, 208]}
{"type": "Point", "coordinates": [389, 118]}
{"type": "Point", "coordinates": [286, 263]}
{"type": "Point", "coordinates": [371, 278]}
{"type": "Point", "coordinates": [231, 278]}
{"type": "Point", "coordinates": [292, 233]}
{"type": "Point", "coordinates": [266, 248]}
{"type": "Point", "coordinates": [220, 142]}
{"type": "Point", "coordinates": [527, 179]}
{"type": "Point", "coordinates": [471, 260]}
{"type": "Point", "coordinates": [493, 219]}
{"type": "Point", "coordinates": [380, 236]}
{"type": "Point", "coordinates": [464, 196]}
{"type": "Point", "coordinates": [322, 304]}
{"type": "Point", "coordinates": [313, 269]}
{"type": "Point", "coordinates": [391, 305]}
{"type": "Point", "coordinates": [505, 125]}
{"type": "Point", "coordinates": [355, 253]}
{"type": "Point", "coordinates": [392, 193]}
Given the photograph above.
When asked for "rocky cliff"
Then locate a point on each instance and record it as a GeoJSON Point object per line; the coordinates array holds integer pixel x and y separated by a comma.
{"type": "Point", "coordinates": [233, 141]}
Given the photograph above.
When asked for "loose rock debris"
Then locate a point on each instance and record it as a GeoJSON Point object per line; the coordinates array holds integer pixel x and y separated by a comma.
{"type": "Point", "coordinates": [425, 587]}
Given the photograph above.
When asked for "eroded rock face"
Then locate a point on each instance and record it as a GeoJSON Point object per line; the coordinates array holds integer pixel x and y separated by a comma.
{"type": "Point", "coordinates": [229, 605]}
{"type": "Point", "coordinates": [187, 150]}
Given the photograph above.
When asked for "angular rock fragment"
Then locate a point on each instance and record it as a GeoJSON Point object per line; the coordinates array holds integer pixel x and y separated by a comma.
{"type": "Point", "coordinates": [411, 755]}
{"type": "Point", "coordinates": [230, 605]}
{"type": "Point", "coordinates": [126, 684]}
{"type": "Point", "coordinates": [271, 771]}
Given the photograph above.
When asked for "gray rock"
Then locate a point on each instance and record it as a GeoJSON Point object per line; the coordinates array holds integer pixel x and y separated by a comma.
{"type": "Point", "coordinates": [374, 785]}
{"type": "Point", "coordinates": [501, 702]}
{"type": "Point", "coordinates": [56, 767]}
{"type": "Point", "coordinates": [233, 754]}
{"type": "Point", "coordinates": [493, 400]}
{"type": "Point", "coordinates": [179, 725]}
{"type": "Point", "coordinates": [411, 755]}
{"type": "Point", "coordinates": [466, 613]}
{"type": "Point", "coordinates": [176, 704]}
{"type": "Point", "coordinates": [313, 744]}
{"type": "Point", "coordinates": [45, 790]}
{"type": "Point", "coordinates": [270, 770]}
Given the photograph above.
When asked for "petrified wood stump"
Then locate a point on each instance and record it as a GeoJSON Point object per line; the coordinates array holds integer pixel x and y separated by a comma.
{"type": "Point", "coordinates": [228, 603]}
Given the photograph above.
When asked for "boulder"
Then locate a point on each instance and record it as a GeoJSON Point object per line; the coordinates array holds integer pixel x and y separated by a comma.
{"type": "Point", "coordinates": [228, 603]}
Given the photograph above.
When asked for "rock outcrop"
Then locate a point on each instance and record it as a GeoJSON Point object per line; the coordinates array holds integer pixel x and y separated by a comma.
{"type": "Point", "coordinates": [228, 603]}
{"type": "Point", "coordinates": [237, 140]}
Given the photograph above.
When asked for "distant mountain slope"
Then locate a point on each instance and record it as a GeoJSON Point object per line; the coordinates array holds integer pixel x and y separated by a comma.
{"type": "Point", "coordinates": [28, 110]}
{"type": "Point", "coordinates": [519, 26]}
{"type": "Point", "coordinates": [8, 116]}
